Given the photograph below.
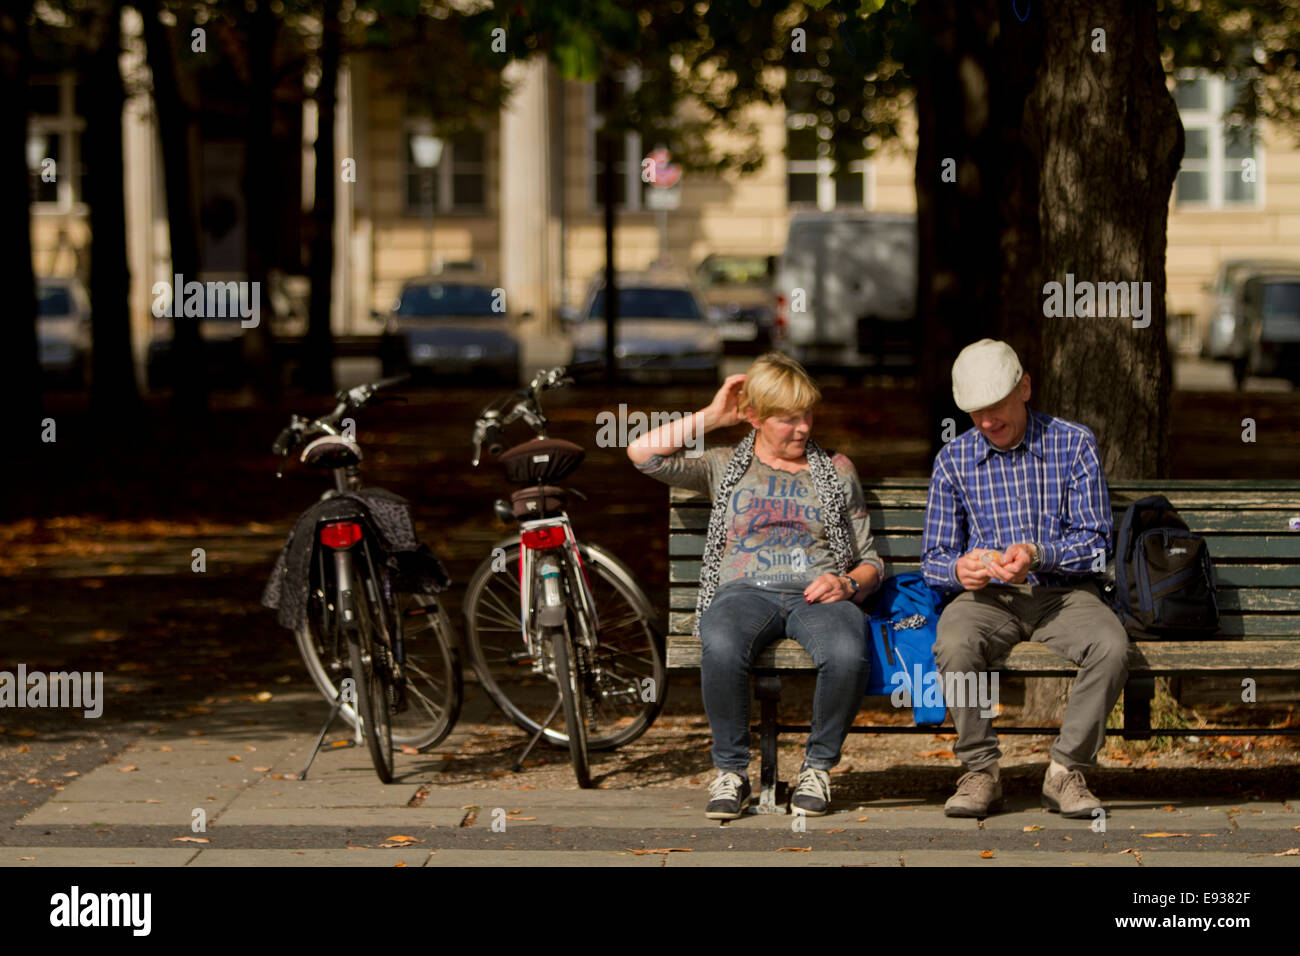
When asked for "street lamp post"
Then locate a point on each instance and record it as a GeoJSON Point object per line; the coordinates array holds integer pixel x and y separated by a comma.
{"type": "Point", "coordinates": [426, 150]}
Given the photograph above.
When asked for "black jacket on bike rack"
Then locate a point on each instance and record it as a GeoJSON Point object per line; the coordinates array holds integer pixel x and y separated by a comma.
{"type": "Point", "coordinates": [415, 568]}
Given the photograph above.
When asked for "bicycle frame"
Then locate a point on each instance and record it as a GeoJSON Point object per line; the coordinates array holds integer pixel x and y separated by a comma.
{"type": "Point", "coordinates": [538, 607]}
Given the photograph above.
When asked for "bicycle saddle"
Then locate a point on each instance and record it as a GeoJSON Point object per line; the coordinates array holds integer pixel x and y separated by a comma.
{"type": "Point", "coordinates": [542, 459]}
{"type": "Point", "coordinates": [331, 451]}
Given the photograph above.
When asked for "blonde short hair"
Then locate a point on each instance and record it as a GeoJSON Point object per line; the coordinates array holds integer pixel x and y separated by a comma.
{"type": "Point", "coordinates": [777, 385]}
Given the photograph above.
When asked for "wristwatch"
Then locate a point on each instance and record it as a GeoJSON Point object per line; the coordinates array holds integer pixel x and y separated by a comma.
{"type": "Point", "coordinates": [852, 585]}
{"type": "Point", "coordinates": [1037, 561]}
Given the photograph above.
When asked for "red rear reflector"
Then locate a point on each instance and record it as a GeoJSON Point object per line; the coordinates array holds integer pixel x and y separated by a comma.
{"type": "Point", "coordinates": [541, 538]}
{"type": "Point", "coordinates": [341, 534]}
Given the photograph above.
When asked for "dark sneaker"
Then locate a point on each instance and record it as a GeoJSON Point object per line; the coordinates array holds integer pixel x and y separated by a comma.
{"type": "Point", "coordinates": [812, 794]}
{"type": "Point", "coordinates": [728, 796]}
{"type": "Point", "coordinates": [1068, 795]}
{"type": "Point", "coordinates": [978, 794]}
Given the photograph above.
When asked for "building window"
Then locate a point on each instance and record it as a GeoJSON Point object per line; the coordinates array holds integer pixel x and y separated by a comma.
{"type": "Point", "coordinates": [810, 180]}
{"type": "Point", "coordinates": [456, 183]}
{"type": "Point", "coordinates": [629, 190]}
{"type": "Point", "coordinates": [1221, 162]}
{"type": "Point", "coordinates": [54, 130]}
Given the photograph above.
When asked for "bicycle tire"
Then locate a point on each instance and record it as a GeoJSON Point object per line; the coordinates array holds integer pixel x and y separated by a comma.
{"type": "Point", "coordinates": [631, 650]}
{"type": "Point", "coordinates": [434, 662]}
{"type": "Point", "coordinates": [571, 677]}
{"type": "Point", "coordinates": [372, 670]}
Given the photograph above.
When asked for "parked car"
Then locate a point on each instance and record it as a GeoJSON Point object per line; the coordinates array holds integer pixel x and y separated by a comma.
{"type": "Point", "coordinates": [63, 330]}
{"type": "Point", "coordinates": [845, 290]}
{"type": "Point", "coordinates": [1216, 323]}
{"type": "Point", "coordinates": [450, 325]}
{"type": "Point", "coordinates": [738, 291]}
{"type": "Point", "coordinates": [1267, 330]}
{"type": "Point", "coordinates": [663, 327]}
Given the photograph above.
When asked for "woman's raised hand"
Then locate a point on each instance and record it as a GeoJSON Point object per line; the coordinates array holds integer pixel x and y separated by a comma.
{"type": "Point", "coordinates": [724, 410]}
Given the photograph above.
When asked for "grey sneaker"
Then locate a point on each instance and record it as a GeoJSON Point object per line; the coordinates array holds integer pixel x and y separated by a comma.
{"type": "Point", "coordinates": [728, 796]}
{"type": "Point", "coordinates": [1068, 795]}
{"type": "Point", "coordinates": [812, 794]}
{"type": "Point", "coordinates": [978, 794]}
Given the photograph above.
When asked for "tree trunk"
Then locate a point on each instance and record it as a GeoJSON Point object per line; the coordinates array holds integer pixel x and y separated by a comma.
{"type": "Point", "coordinates": [1109, 141]}
{"type": "Point", "coordinates": [975, 215]}
{"type": "Point", "coordinates": [176, 132]}
{"type": "Point", "coordinates": [318, 350]}
{"type": "Point", "coordinates": [260, 191]}
{"type": "Point", "coordinates": [23, 368]}
{"type": "Point", "coordinates": [114, 394]}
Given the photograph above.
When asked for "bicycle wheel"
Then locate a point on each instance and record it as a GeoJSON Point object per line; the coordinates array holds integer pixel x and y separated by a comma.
{"type": "Point", "coordinates": [372, 666]}
{"type": "Point", "coordinates": [571, 675]}
{"type": "Point", "coordinates": [627, 670]}
{"type": "Point", "coordinates": [433, 671]}
{"type": "Point", "coordinates": [434, 685]}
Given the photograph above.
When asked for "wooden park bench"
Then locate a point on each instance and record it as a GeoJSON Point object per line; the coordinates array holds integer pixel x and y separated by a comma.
{"type": "Point", "coordinates": [1256, 556]}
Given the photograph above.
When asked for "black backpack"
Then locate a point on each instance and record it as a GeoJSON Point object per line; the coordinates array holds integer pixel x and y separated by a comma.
{"type": "Point", "coordinates": [1164, 578]}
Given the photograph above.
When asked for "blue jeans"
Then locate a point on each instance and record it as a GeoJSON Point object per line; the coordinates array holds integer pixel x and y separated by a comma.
{"type": "Point", "coordinates": [740, 622]}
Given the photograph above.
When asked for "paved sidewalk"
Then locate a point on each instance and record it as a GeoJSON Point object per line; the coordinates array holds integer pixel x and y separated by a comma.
{"type": "Point", "coordinates": [176, 799]}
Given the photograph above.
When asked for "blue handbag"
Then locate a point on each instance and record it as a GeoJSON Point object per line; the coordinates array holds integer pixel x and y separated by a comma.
{"type": "Point", "coordinates": [902, 625]}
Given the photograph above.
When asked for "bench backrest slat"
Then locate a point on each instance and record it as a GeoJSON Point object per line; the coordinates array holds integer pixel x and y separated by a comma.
{"type": "Point", "coordinates": [1257, 557]}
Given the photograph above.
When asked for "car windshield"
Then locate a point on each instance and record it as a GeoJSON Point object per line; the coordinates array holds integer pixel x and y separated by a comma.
{"type": "Point", "coordinates": [55, 300]}
{"type": "Point", "coordinates": [734, 270]}
{"type": "Point", "coordinates": [649, 303]}
{"type": "Point", "coordinates": [1280, 298]}
{"type": "Point", "coordinates": [446, 298]}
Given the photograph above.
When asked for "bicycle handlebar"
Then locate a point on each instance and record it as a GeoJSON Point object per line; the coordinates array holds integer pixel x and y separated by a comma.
{"type": "Point", "coordinates": [348, 399]}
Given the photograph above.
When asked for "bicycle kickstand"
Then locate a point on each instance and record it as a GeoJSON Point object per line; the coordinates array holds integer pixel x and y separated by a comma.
{"type": "Point", "coordinates": [334, 712]}
{"type": "Point", "coordinates": [537, 736]}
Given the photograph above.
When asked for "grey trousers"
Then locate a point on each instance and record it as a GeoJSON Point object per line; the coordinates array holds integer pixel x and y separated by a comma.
{"type": "Point", "coordinates": [979, 627]}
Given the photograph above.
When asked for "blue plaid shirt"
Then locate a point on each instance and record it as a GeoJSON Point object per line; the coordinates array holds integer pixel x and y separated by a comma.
{"type": "Point", "coordinates": [1049, 490]}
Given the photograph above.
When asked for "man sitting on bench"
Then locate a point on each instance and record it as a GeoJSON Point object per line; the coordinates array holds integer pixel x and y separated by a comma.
{"type": "Point", "coordinates": [1017, 514]}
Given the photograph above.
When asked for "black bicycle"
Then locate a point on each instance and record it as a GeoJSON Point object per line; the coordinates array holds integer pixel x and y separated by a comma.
{"type": "Point", "coordinates": [374, 636]}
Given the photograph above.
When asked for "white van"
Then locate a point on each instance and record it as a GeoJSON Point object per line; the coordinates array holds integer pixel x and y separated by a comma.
{"type": "Point", "coordinates": [845, 290]}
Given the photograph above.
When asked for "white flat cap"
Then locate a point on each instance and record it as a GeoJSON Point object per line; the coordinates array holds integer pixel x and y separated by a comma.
{"type": "Point", "coordinates": [985, 373]}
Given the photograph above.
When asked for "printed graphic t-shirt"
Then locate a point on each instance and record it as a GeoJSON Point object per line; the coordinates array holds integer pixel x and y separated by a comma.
{"type": "Point", "coordinates": [775, 534]}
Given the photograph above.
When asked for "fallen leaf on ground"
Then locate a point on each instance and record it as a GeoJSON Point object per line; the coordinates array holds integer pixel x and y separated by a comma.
{"type": "Point", "coordinates": [1294, 851]}
{"type": "Point", "coordinates": [986, 854]}
{"type": "Point", "coordinates": [128, 768]}
{"type": "Point", "coordinates": [263, 696]}
{"type": "Point", "coordinates": [399, 864]}
{"type": "Point", "coordinates": [152, 800]}
{"type": "Point", "coordinates": [1166, 808]}
{"type": "Point", "coordinates": [667, 849]}
{"type": "Point", "coordinates": [795, 849]}
{"type": "Point", "coordinates": [26, 749]}
{"type": "Point", "coordinates": [235, 758]}
{"type": "Point", "coordinates": [947, 754]}
{"type": "Point", "coordinates": [261, 769]}
{"type": "Point", "coordinates": [408, 749]}
{"type": "Point", "coordinates": [521, 818]}
{"type": "Point", "coordinates": [840, 830]}
{"type": "Point", "coordinates": [402, 838]}
{"type": "Point", "coordinates": [165, 748]}
{"type": "Point", "coordinates": [27, 858]}
{"type": "Point", "coordinates": [1162, 833]}
{"type": "Point", "coordinates": [190, 840]}
{"type": "Point", "coordinates": [1031, 828]}
{"type": "Point", "coordinates": [860, 819]}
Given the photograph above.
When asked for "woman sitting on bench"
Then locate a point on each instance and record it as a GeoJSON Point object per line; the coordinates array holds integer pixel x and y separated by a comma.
{"type": "Point", "coordinates": [788, 554]}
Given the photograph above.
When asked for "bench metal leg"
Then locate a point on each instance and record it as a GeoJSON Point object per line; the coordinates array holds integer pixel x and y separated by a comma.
{"type": "Point", "coordinates": [768, 691]}
{"type": "Point", "coordinates": [1138, 693]}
